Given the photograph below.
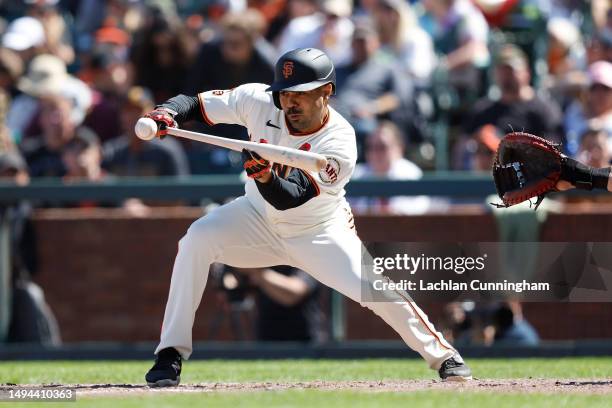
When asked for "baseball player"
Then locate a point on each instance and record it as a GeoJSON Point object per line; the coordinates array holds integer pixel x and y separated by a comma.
{"type": "Point", "coordinates": [287, 216]}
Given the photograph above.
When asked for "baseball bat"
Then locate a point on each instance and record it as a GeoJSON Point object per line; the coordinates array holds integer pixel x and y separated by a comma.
{"type": "Point", "coordinates": [277, 154]}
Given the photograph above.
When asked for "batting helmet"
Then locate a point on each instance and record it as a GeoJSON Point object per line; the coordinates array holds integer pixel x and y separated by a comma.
{"type": "Point", "coordinates": [301, 70]}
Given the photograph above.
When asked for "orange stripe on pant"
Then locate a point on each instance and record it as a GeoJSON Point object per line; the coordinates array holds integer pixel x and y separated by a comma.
{"type": "Point", "coordinates": [429, 328]}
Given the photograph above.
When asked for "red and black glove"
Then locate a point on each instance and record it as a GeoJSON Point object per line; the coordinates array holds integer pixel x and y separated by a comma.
{"type": "Point", "coordinates": [529, 166]}
{"type": "Point", "coordinates": [254, 165]}
{"type": "Point", "coordinates": [164, 118]}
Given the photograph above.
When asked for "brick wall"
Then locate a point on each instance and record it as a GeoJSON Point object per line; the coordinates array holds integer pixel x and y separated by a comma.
{"type": "Point", "coordinates": [106, 275]}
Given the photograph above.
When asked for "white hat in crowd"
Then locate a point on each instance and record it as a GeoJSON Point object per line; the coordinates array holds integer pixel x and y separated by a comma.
{"type": "Point", "coordinates": [339, 8]}
{"type": "Point", "coordinates": [46, 75]}
{"type": "Point", "coordinates": [24, 33]}
{"type": "Point", "coordinates": [564, 31]}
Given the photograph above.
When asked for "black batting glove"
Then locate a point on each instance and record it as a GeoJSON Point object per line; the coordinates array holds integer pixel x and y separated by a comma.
{"type": "Point", "coordinates": [164, 118]}
{"type": "Point", "coordinates": [254, 165]}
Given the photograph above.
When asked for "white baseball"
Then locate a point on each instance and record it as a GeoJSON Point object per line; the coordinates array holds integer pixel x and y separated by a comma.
{"type": "Point", "coordinates": [145, 128]}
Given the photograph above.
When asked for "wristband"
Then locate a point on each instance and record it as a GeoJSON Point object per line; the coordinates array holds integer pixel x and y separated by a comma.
{"type": "Point", "coordinates": [172, 112]}
{"type": "Point", "coordinates": [601, 177]}
{"type": "Point", "coordinates": [584, 177]}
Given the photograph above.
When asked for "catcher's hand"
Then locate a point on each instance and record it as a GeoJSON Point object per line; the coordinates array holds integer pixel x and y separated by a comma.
{"type": "Point", "coordinates": [529, 166]}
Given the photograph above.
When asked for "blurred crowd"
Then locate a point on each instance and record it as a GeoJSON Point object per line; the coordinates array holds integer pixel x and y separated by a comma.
{"type": "Point", "coordinates": [427, 84]}
{"type": "Point", "coordinates": [500, 323]}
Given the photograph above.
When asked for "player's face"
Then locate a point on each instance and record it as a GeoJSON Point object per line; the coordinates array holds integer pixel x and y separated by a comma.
{"type": "Point", "coordinates": [305, 111]}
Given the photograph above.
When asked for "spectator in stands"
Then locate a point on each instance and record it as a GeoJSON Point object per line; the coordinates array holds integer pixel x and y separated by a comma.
{"type": "Point", "coordinates": [105, 68]}
{"type": "Point", "coordinates": [26, 37]}
{"type": "Point", "coordinates": [13, 167]}
{"type": "Point", "coordinates": [287, 304]}
{"type": "Point", "coordinates": [57, 35]}
{"type": "Point", "coordinates": [565, 47]}
{"type": "Point", "coordinates": [566, 60]}
{"type": "Point", "coordinates": [7, 144]}
{"type": "Point", "coordinates": [594, 149]}
{"type": "Point", "coordinates": [274, 12]}
{"type": "Point", "coordinates": [384, 152]}
{"type": "Point", "coordinates": [364, 9]}
{"type": "Point", "coordinates": [46, 75]}
{"type": "Point", "coordinates": [31, 319]}
{"type": "Point", "coordinates": [602, 14]}
{"type": "Point", "coordinates": [460, 35]}
{"type": "Point", "coordinates": [128, 156]}
{"type": "Point", "coordinates": [496, 13]}
{"type": "Point", "coordinates": [11, 69]}
{"type": "Point", "coordinates": [518, 107]}
{"type": "Point", "coordinates": [82, 158]}
{"type": "Point", "coordinates": [276, 21]}
{"type": "Point", "coordinates": [238, 59]}
{"type": "Point", "coordinates": [510, 327]}
{"type": "Point", "coordinates": [401, 35]}
{"type": "Point", "coordinates": [457, 325]}
{"type": "Point", "coordinates": [596, 110]}
{"type": "Point", "coordinates": [600, 47]}
{"type": "Point", "coordinates": [485, 146]}
{"type": "Point", "coordinates": [161, 58]}
{"type": "Point", "coordinates": [327, 26]}
{"type": "Point", "coordinates": [6, 141]}
{"type": "Point", "coordinates": [59, 121]}
{"type": "Point", "coordinates": [371, 87]}
{"type": "Point", "coordinates": [91, 15]}
{"type": "Point", "coordinates": [523, 16]}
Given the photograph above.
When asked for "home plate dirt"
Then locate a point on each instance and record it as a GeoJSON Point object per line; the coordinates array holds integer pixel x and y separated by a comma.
{"type": "Point", "coordinates": [520, 386]}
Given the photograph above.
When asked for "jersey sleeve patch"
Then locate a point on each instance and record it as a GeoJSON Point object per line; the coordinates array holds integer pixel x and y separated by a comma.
{"type": "Point", "coordinates": [329, 174]}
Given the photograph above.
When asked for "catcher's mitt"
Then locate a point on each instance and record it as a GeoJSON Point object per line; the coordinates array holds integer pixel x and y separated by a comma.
{"type": "Point", "coordinates": [526, 166]}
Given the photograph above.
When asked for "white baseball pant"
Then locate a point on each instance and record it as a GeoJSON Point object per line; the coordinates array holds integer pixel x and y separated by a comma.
{"type": "Point", "coordinates": [236, 234]}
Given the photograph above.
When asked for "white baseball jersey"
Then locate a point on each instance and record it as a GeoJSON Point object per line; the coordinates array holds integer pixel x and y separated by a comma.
{"type": "Point", "coordinates": [316, 237]}
{"type": "Point", "coordinates": [250, 106]}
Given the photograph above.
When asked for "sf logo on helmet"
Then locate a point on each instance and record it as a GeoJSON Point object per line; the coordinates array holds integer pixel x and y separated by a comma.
{"type": "Point", "coordinates": [288, 69]}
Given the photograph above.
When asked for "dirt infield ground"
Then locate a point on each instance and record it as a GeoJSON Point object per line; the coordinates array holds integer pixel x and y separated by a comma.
{"type": "Point", "coordinates": [541, 386]}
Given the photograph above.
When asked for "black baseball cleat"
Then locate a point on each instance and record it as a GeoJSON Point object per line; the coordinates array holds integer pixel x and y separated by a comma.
{"type": "Point", "coordinates": [166, 372]}
{"type": "Point", "coordinates": [454, 369]}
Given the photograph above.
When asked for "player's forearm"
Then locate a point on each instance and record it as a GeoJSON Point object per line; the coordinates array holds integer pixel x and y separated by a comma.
{"type": "Point", "coordinates": [585, 177]}
{"type": "Point", "coordinates": [186, 107]}
{"type": "Point", "coordinates": [285, 194]}
{"type": "Point", "coordinates": [608, 185]}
